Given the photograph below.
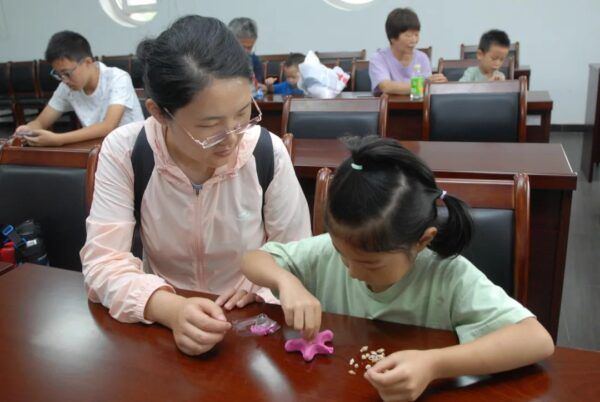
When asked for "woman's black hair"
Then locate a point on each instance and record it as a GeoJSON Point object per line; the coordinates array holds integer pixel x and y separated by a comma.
{"type": "Point", "coordinates": [185, 58]}
{"type": "Point", "coordinates": [383, 198]}
{"type": "Point", "coordinates": [400, 20]}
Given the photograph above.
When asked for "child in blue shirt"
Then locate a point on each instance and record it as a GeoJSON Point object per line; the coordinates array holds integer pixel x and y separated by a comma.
{"type": "Point", "coordinates": [388, 257]}
{"type": "Point", "coordinates": [292, 77]}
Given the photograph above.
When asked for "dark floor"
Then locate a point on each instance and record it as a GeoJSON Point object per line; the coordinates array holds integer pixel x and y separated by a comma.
{"type": "Point", "coordinates": [579, 325]}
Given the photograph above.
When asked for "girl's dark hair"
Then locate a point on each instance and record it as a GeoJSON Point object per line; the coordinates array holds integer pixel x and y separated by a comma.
{"type": "Point", "coordinates": [185, 58]}
{"type": "Point", "coordinates": [400, 20]}
{"type": "Point", "coordinates": [389, 203]}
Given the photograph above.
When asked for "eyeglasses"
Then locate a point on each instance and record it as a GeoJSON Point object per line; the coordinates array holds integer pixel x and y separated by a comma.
{"type": "Point", "coordinates": [66, 75]}
{"type": "Point", "coordinates": [220, 137]}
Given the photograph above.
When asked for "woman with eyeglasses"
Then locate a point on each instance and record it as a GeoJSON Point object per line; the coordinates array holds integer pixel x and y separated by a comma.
{"type": "Point", "coordinates": [203, 205]}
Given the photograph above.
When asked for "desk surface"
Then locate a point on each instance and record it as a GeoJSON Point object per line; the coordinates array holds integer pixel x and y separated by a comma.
{"type": "Point", "coordinates": [546, 164]}
{"type": "Point", "coordinates": [56, 346]}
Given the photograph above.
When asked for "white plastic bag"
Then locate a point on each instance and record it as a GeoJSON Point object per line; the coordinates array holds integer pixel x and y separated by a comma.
{"type": "Point", "coordinates": [319, 81]}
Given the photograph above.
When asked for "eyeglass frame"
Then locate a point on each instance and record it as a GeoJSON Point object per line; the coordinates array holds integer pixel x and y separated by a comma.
{"type": "Point", "coordinates": [67, 74]}
{"type": "Point", "coordinates": [220, 137]}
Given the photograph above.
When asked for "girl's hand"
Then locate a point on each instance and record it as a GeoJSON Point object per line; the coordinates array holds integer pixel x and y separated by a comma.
{"type": "Point", "coordinates": [402, 376]}
{"type": "Point", "coordinates": [198, 325]}
{"type": "Point", "coordinates": [237, 298]}
{"type": "Point", "coordinates": [301, 309]}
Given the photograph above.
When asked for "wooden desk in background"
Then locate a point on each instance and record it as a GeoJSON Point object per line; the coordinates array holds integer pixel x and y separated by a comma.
{"type": "Point", "coordinates": [405, 117]}
{"type": "Point", "coordinates": [590, 156]}
{"type": "Point", "coordinates": [552, 182]}
{"type": "Point", "coordinates": [57, 346]}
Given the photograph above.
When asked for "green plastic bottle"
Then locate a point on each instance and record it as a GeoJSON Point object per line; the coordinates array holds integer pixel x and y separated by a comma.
{"type": "Point", "coordinates": [417, 83]}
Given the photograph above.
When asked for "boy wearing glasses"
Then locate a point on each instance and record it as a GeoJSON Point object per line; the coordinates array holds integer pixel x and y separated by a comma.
{"type": "Point", "coordinates": [102, 97]}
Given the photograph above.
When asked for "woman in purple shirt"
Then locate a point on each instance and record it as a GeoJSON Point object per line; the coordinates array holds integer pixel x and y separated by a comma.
{"type": "Point", "coordinates": [391, 68]}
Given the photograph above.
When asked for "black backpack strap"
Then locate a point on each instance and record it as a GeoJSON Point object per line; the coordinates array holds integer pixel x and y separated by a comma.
{"type": "Point", "coordinates": [265, 162]}
{"type": "Point", "coordinates": [142, 161]}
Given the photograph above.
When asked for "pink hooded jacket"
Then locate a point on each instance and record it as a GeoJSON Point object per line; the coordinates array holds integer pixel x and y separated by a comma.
{"type": "Point", "coordinates": [191, 240]}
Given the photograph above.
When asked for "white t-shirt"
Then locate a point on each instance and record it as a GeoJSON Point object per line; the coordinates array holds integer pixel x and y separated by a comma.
{"type": "Point", "coordinates": [114, 88]}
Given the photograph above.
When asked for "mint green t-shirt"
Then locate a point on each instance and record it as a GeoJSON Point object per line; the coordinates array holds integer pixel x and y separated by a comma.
{"type": "Point", "coordinates": [437, 293]}
{"type": "Point", "coordinates": [474, 74]}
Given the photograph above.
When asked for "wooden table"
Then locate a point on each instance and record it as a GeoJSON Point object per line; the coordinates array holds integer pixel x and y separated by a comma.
{"type": "Point", "coordinates": [5, 267]}
{"type": "Point", "coordinates": [57, 346]}
{"type": "Point", "coordinates": [405, 117]}
{"type": "Point", "coordinates": [552, 183]}
{"type": "Point", "coordinates": [591, 141]}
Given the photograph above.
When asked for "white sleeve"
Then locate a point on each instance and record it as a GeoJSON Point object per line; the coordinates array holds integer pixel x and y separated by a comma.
{"type": "Point", "coordinates": [60, 99]}
{"type": "Point", "coordinates": [121, 92]}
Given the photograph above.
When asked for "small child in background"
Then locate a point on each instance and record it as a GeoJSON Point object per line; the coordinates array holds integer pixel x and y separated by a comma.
{"type": "Point", "coordinates": [493, 49]}
{"type": "Point", "coordinates": [291, 72]}
{"type": "Point", "coordinates": [387, 257]}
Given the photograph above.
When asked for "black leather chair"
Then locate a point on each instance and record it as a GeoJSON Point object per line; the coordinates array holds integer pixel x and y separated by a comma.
{"type": "Point", "coordinates": [500, 212]}
{"type": "Point", "coordinates": [493, 111]}
{"type": "Point", "coordinates": [333, 118]}
{"type": "Point", "coordinates": [428, 51]}
{"type": "Point", "coordinates": [361, 81]}
{"type": "Point", "coordinates": [23, 81]}
{"type": "Point", "coordinates": [7, 105]}
{"type": "Point", "coordinates": [470, 52]}
{"type": "Point", "coordinates": [122, 62]}
{"type": "Point", "coordinates": [54, 187]}
{"type": "Point", "coordinates": [454, 69]}
{"type": "Point", "coordinates": [273, 65]}
{"type": "Point", "coordinates": [47, 84]}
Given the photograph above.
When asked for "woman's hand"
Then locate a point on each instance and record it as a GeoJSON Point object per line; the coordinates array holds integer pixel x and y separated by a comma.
{"type": "Point", "coordinates": [402, 376]}
{"type": "Point", "coordinates": [438, 78]}
{"type": "Point", "coordinates": [198, 325]}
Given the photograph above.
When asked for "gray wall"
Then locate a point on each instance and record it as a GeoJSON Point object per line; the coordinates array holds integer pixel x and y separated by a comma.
{"type": "Point", "coordinates": [558, 39]}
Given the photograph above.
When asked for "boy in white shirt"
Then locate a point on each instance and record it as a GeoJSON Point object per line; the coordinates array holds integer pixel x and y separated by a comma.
{"type": "Point", "coordinates": [102, 97]}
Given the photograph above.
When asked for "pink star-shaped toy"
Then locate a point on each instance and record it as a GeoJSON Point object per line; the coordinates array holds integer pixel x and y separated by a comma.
{"type": "Point", "coordinates": [311, 348]}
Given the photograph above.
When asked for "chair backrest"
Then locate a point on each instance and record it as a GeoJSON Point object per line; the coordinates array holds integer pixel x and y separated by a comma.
{"type": "Point", "coordinates": [361, 81]}
{"type": "Point", "coordinates": [454, 69]}
{"type": "Point", "coordinates": [470, 52]}
{"type": "Point", "coordinates": [500, 212]}
{"type": "Point", "coordinates": [137, 73]}
{"type": "Point", "coordinates": [46, 82]}
{"type": "Point", "coordinates": [53, 186]}
{"type": "Point", "coordinates": [23, 79]}
{"type": "Point", "coordinates": [427, 50]}
{"type": "Point", "coordinates": [273, 65]}
{"type": "Point", "coordinates": [357, 55]}
{"type": "Point", "coordinates": [493, 111]}
{"type": "Point", "coordinates": [122, 62]}
{"type": "Point", "coordinates": [5, 90]}
{"type": "Point", "coordinates": [333, 118]}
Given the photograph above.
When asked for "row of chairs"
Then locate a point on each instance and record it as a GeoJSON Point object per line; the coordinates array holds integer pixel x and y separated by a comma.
{"type": "Point", "coordinates": [30, 178]}
{"type": "Point", "coordinates": [273, 63]}
{"type": "Point", "coordinates": [475, 111]}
